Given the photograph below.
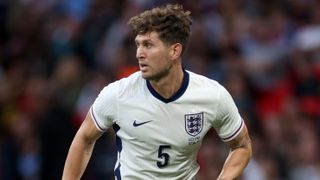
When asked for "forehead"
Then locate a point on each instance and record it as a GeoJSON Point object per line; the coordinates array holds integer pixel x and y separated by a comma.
{"type": "Point", "coordinates": [149, 36]}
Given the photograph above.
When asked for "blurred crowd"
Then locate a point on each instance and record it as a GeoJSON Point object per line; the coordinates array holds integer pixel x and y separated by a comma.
{"type": "Point", "coordinates": [56, 56]}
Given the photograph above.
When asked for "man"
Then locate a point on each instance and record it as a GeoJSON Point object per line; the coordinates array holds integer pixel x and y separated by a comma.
{"type": "Point", "coordinates": [161, 113]}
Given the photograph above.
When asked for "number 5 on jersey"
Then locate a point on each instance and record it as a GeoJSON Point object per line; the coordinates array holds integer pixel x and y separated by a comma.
{"type": "Point", "coordinates": [163, 155]}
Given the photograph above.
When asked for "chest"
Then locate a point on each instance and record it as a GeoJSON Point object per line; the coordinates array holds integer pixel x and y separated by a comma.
{"type": "Point", "coordinates": [152, 123]}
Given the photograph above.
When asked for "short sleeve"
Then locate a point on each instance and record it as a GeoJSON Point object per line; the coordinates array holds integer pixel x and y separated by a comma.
{"type": "Point", "coordinates": [228, 123]}
{"type": "Point", "coordinates": [104, 109]}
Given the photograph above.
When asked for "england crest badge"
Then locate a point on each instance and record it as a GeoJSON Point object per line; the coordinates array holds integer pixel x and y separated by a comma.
{"type": "Point", "coordinates": [193, 123]}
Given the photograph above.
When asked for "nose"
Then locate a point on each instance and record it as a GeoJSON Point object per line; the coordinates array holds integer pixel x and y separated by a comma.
{"type": "Point", "coordinates": [139, 53]}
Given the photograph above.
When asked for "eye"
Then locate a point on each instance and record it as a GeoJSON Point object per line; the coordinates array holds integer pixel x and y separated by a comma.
{"type": "Point", "coordinates": [137, 44]}
{"type": "Point", "coordinates": [148, 45]}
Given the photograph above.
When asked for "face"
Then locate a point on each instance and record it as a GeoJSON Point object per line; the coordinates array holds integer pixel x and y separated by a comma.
{"type": "Point", "coordinates": [153, 56]}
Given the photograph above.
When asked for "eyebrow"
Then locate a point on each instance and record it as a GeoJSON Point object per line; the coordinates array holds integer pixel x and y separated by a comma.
{"type": "Point", "coordinates": [144, 40]}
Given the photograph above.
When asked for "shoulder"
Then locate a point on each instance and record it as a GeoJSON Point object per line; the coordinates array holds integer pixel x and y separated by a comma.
{"type": "Point", "coordinates": [121, 85]}
{"type": "Point", "coordinates": [130, 80]}
{"type": "Point", "coordinates": [198, 80]}
{"type": "Point", "coordinates": [202, 86]}
{"type": "Point", "coordinates": [126, 85]}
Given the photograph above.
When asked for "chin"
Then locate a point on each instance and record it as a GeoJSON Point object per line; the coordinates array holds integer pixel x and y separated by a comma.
{"type": "Point", "coordinates": [146, 75]}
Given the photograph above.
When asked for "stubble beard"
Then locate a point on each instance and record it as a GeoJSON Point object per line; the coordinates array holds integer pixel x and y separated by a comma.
{"type": "Point", "coordinates": [159, 75]}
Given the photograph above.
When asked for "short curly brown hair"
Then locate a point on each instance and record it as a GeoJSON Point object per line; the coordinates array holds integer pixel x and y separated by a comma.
{"type": "Point", "coordinates": [171, 22]}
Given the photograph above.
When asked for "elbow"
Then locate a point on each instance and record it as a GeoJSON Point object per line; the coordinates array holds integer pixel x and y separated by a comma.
{"type": "Point", "coordinates": [248, 148]}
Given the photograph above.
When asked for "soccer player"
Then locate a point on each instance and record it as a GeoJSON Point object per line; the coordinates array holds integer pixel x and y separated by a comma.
{"type": "Point", "coordinates": [161, 113]}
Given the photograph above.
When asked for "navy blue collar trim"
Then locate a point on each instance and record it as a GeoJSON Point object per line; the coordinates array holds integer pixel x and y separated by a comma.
{"type": "Point", "coordinates": [179, 93]}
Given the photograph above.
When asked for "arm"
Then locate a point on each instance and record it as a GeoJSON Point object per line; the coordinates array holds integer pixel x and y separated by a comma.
{"type": "Point", "coordinates": [238, 157]}
{"type": "Point", "coordinates": [81, 149]}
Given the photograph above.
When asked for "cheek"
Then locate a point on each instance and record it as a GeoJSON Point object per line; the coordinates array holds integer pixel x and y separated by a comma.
{"type": "Point", "coordinates": [161, 63]}
{"type": "Point", "coordinates": [159, 59]}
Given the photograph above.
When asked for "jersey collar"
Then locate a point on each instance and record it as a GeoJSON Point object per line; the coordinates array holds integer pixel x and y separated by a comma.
{"type": "Point", "coordinates": [178, 94]}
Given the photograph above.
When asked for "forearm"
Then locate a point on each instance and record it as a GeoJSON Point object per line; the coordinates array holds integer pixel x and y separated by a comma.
{"type": "Point", "coordinates": [77, 160]}
{"type": "Point", "coordinates": [235, 163]}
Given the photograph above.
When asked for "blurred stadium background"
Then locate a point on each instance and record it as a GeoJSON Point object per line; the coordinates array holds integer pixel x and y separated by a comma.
{"type": "Point", "coordinates": [56, 55]}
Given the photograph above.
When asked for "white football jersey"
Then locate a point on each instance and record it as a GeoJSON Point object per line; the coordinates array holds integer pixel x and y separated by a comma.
{"type": "Point", "coordinates": [159, 138]}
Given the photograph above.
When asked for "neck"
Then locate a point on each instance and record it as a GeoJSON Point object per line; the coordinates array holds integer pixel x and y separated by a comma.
{"type": "Point", "coordinates": [168, 85]}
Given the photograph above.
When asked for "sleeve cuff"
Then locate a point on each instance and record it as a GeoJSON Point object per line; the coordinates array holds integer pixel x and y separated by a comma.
{"type": "Point", "coordinates": [96, 123]}
{"type": "Point", "coordinates": [234, 134]}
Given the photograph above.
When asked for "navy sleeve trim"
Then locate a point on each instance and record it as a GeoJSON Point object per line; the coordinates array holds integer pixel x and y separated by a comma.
{"type": "Point", "coordinates": [228, 138]}
{"type": "Point", "coordinates": [95, 120]}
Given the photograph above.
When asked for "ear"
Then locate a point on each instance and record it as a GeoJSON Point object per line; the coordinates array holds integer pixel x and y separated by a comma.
{"type": "Point", "coordinates": [175, 51]}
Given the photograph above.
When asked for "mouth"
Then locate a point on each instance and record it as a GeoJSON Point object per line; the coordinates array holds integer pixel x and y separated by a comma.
{"type": "Point", "coordinates": [143, 67]}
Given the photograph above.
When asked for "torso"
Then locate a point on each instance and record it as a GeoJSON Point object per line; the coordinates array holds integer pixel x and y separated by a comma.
{"type": "Point", "coordinates": [159, 138]}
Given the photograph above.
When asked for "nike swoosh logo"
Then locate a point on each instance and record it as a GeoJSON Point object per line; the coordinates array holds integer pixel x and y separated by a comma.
{"type": "Point", "coordinates": [136, 124]}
